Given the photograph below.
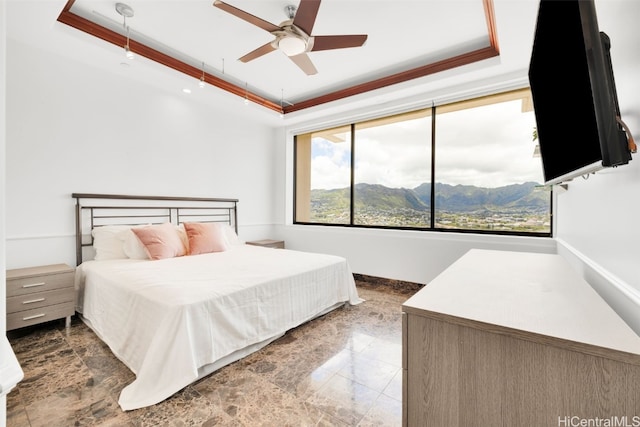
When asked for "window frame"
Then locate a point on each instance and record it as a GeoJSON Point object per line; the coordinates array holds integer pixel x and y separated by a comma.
{"type": "Point", "coordinates": [524, 94]}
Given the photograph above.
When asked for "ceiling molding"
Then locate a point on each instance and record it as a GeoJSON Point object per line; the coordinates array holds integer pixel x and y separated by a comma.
{"type": "Point", "coordinates": [414, 73]}
{"type": "Point", "coordinates": [69, 18]}
{"type": "Point", "coordinates": [89, 27]}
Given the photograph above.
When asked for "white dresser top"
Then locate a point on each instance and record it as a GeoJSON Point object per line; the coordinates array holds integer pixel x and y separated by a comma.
{"type": "Point", "coordinates": [524, 294]}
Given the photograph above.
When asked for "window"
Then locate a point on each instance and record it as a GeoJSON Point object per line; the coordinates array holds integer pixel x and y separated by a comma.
{"type": "Point", "coordinates": [487, 177]}
{"type": "Point", "coordinates": [323, 175]}
{"type": "Point", "coordinates": [392, 167]}
{"type": "Point", "coordinates": [465, 166]}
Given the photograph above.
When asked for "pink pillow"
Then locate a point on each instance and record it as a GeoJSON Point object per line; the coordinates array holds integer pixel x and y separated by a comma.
{"type": "Point", "coordinates": [161, 241]}
{"type": "Point", "coordinates": [205, 237]}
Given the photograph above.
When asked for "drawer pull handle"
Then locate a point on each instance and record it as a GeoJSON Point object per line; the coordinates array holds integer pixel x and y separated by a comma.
{"type": "Point", "coordinates": [31, 301]}
{"type": "Point", "coordinates": [35, 316]}
{"type": "Point", "coordinates": [32, 285]}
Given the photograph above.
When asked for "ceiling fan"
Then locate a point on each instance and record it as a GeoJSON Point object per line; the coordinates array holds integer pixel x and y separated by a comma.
{"type": "Point", "coordinates": [293, 36]}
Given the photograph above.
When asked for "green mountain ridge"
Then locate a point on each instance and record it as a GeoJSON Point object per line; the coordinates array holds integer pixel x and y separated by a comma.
{"type": "Point", "coordinates": [526, 197]}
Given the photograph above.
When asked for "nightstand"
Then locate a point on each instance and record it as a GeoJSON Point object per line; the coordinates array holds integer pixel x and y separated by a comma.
{"type": "Point", "coordinates": [40, 294]}
{"type": "Point", "coordinates": [268, 243]}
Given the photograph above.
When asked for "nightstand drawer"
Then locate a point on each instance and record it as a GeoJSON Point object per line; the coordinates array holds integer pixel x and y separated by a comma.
{"type": "Point", "coordinates": [42, 299]}
{"type": "Point", "coordinates": [36, 280]}
{"type": "Point", "coordinates": [39, 294]}
{"type": "Point", "coordinates": [39, 315]}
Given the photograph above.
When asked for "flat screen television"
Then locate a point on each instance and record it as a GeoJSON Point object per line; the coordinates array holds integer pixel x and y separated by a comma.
{"type": "Point", "coordinates": [574, 93]}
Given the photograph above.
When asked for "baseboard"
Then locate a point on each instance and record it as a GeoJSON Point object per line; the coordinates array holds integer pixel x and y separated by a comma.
{"type": "Point", "coordinates": [624, 299]}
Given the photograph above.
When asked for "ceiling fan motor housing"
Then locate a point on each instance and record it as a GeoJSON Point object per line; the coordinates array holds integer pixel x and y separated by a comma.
{"type": "Point", "coordinates": [290, 39]}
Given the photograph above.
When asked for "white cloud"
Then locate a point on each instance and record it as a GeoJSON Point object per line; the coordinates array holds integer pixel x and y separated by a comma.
{"type": "Point", "coordinates": [487, 147]}
{"type": "Point", "coordinates": [327, 174]}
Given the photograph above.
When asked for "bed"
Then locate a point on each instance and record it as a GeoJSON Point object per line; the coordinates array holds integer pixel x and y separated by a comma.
{"type": "Point", "coordinates": [178, 317]}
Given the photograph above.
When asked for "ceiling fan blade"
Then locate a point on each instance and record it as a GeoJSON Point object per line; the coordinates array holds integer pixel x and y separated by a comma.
{"type": "Point", "coordinates": [304, 63]}
{"type": "Point", "coordinates": [337, 42]}
{"type": "Point", "coordinates": [306, 15]}
{"type": "Point", "coordinates": [262, 50]}
{"type": "Point", "coordinates": [258, 22]}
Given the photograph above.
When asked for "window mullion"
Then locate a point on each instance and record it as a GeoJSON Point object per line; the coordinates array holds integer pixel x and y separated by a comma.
{"type": "Point", "coordinates": [353, 176]}
{"type": "Point", "coordinates": [433, 167]}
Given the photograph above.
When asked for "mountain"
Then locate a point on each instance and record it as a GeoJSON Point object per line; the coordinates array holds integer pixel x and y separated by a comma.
{"type": "Point", "coordinates": [468, 198]}
{"type": "Point", "coordinates": [451, 198]}
{"type": "Point", "coordinates": [375, 196]}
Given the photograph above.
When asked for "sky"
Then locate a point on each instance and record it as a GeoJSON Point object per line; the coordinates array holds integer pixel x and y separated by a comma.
{"type": "Point", "coordinates": [491, 146]}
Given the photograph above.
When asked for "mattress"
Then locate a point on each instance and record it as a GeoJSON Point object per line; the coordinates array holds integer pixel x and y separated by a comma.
{"type": "Point", "coordinates": [175, 320]}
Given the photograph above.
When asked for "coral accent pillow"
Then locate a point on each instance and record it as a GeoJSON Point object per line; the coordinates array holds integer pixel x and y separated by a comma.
{"type": "Point", "coordinates": [161, 241]}
{"type": "Point", "coordinates": [205, 237]}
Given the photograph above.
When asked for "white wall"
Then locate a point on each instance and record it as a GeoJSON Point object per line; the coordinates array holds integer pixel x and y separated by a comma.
{"type": "Point", "coordinates": [3, 307]}
{"type": "Point", "coordinates": [598, 231]}
{"type": "Point", "coordinates": [3, 123]}
{"type": "Point", "coordinates": [75, 128]}
{"type": "Point", "coordinates": [599, 218]}
{"type": "Point", "coordinates": [412, 256]}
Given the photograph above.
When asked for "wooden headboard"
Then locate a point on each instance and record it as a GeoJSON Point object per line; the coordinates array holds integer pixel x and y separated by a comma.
{"type": "Point", "coordinates": [95, 210]}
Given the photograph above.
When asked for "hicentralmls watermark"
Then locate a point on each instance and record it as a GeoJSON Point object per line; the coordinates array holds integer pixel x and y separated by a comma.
{"type": "Point", "coordinates": [614, 421]}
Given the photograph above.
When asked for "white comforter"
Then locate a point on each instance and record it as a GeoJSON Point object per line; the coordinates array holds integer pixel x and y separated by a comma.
{"type": "Point", "coordinates": [172, 321]}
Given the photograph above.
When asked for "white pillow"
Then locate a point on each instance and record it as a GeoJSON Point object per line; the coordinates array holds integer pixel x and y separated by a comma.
{"type": "Point", "coordinates": [108, 241]}
{"type": "Point", "coordinates": [230, 235]}
{"type": "Point", "coordinates": [133, 247]}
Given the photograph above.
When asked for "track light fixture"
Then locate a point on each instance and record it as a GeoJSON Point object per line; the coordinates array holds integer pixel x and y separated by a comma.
{"type": "Point", "coordinates": [201, 82]}
{"type": "Point", "coordinates": [128, 53]}
{"type": "Point", "coordinates": [126, 12]}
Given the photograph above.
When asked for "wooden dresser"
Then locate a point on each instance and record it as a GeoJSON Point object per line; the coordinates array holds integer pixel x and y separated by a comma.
{"type": "Point", "coordinates": [40, 294]}
{"type": "Point", "coordinates": [516, 339]}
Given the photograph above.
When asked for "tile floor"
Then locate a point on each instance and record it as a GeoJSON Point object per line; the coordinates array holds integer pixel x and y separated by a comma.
{"type": "Point", "coordinates": [343, 369]}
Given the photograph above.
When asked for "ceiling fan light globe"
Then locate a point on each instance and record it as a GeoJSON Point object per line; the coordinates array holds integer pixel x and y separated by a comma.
{"type": "Point", "coordinates": [292, 46]}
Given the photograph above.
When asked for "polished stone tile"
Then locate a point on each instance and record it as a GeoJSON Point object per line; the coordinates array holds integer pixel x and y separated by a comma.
{"type": "Point", "coordinates": [186, 408]}
{"type": "Point", "coordinates": [386, 411]}
{"type": "Point", "coordinates": [46, 373]}
{"type": "Point", "coordinates": [16, 412]}
{"type": "Point", "coordinates": [398, 286]}
{"type": "Point", "coordinates": [84, 405]}
{"type": "Point", "coordinates": [372, 373]}
{"type": "Point", "coordinates": [346, 399]}
{"type": "Point", "coordinates": [394, 388]}
{"type": "Point", "coordinates": [342, 369]}
{"type": "Point", "coordinates": [385, 349]}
